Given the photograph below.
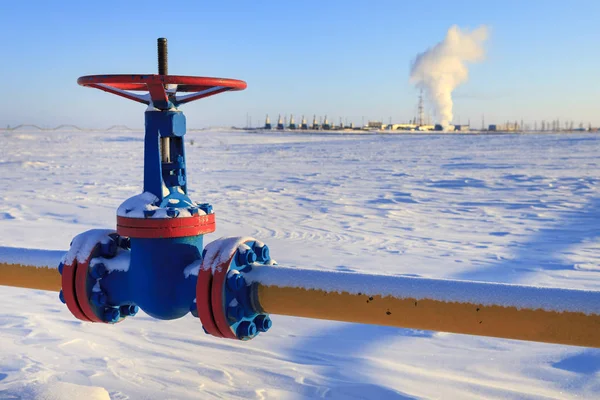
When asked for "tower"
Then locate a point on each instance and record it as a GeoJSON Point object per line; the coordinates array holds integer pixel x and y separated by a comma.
{"type": "Point", "coordinates": [292, 122]}
{"type": "Point", "coordinates": [315, 124]}
{"type": "Point", "coordinates": [268, 122]}
{"type": "Point", "coordinates": [280, 125]}
{"type": "Point", "coordinates": [421, 108]}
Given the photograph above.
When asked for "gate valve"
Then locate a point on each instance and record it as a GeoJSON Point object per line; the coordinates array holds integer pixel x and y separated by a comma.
{"type": "Point", "coordinates": [107, 275]}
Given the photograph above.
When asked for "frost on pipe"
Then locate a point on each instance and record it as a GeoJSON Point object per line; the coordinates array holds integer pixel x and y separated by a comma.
{"type": "Point", "coordinates": [564, 316]}
{"type": "Point", "coordinates": [30, 268]}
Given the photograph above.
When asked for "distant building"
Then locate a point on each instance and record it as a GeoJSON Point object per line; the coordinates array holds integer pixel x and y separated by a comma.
{"type": "Point", "coordinates": [304, 124]}
{"type": "Point", "coordinates": [315, 124]}
{"type": "Point", "coordinates": [426, 128]}
{"type": "Point", "coordinates": [493, 128]}
{"type": "Point", "coordinates": [462, 128]}
{"type": "Point", "coordinates": [268, 123]}
{"type": "Point", "coordinates": [375, 125]}
{"type": "Point", "coordinates": [280, 125]}
{"type": "Point", "coordinates": [402, 127]}
{"type": "Point", "coordinates": [292, 122]}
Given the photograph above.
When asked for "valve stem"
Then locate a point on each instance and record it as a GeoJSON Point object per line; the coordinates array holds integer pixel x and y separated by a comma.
{"type": "Point", "coordinates": [163, 55]}
{"type": "Point", "coordinates": [163, 69]}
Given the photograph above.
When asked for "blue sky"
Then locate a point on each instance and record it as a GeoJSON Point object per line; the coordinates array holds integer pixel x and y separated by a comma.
{"type": "Point", "coordinates": [348, 59]}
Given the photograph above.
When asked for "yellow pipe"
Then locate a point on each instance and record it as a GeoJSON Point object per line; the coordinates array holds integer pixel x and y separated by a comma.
{"type": "Point", "coordinates": [571, 328]}
{"type": "Point", "coordinates": [27, 276]}
{"type": "Point", "coordinates": [551, 315]}
{"type": "Point", "coordinates": [562, 316]}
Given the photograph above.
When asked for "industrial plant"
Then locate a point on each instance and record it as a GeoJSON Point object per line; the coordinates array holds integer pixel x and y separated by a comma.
{"type": "Point", "coordinates": [419, 123]}
{"type": "Point", "coordinates": [285, 124]}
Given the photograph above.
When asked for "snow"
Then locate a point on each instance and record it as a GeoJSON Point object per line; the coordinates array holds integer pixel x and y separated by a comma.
{"type": "Point", "coordinates": [517, 209]}
{"type": "Point", "coordinates": [225, 248]}
{"type": "Point", "coordinates": [120, 262]}
{"type": "Point", "coordinates": [192, 269]}
{"type": "Point", "coordinates": [58, 391]}
{"type": "Point", "coordinates": [33, 257]}
{"type": "Point", "coordinates": [83, 244]}
{"type": "Point", "coordinates": [135, 206]}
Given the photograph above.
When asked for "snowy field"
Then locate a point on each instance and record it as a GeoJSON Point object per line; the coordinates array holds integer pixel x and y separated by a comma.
{"type": "Point", "coordinates": [505, 208]}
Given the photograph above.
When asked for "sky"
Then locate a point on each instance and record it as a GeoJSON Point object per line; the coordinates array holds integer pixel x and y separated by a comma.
{"type": "Point", "coordinates": [344, 59]}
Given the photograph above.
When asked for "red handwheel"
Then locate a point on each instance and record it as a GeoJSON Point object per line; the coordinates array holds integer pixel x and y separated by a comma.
{"type": "Point", "coordinates": [162, 89]}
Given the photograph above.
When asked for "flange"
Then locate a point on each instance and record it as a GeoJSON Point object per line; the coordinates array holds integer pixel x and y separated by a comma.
{"type": "Point", "coordinates": [223, 297]}
{"type": "Point", "coordinates": [81, 290]}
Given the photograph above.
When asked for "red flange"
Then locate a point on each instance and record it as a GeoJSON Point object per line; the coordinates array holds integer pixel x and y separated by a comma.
{"type": "Point", "coordinates": [204, 302]}
{"type": "Point", "coordinates": [68, 288]}
{"type": "Point", "coordinates": [217, 298]}
{"type": "Point", "coordinates": [156, 228]}
{"type": "Point", "coordinates": [211, 286]}
{"type": "Point", "coordinates": [75, 290]}
{"type": "Point", "coordinates": [155, 85]}
{"type": "Point", "coordinates": [81, 290]}
{"type": "Point", "coordinates": [209, 292]}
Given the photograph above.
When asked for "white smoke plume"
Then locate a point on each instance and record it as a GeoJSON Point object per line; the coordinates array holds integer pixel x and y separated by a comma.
{"type": "Point", "coordinates": [440, 69]}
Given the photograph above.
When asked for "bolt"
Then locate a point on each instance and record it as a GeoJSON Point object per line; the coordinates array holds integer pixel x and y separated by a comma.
{"type": "Point", "coordinates": [172, 212]}
{"type": "Point", "coordinates": [98, 299]}
{"type": "Point", "coordinates": [112, 315]}
{"type": "Point", "coordinates": [235, 281]}
{"type": "Point", "coordinates": [246, 269]}
{"type": "Point", "coordinates": [245, 330]}
{"type": "Point", "coordinates": [124, 242]}
{"type": "Point", "coordinates": [235, 313]}
{"type": "Point", "coordinates": [180, 178]}
{"type": "Point", "coordinates": [206, 207]}
{"type": "Point", "coordinates": [246, 258]}
{"type": "Point", "coordinates": [61, 266]}
{"type": "Point", "coordinates": [129, 310]}
{"type": "Point", "coordinates": [263, 322]}
{"type": "Point", "coordinates": [61, 296]}
{"type": "Point", "coordinates": [194, 309]}
{"type": "Point", "coordinates": [98, 271]}
{"type": "Point", "coordinates": [262, 253]}
{"type": "Point", "coordinates": [193, 210]}
{"type": "Point", "coordinates": [108, 249]}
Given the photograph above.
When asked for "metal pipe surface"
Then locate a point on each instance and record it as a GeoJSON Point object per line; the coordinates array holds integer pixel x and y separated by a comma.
{"type": "Point", "coordinates": [30, 268]}
{"type": "Point", "coordinates": [562, 316]}
{"type": "Point", "coordinates": [551, 315]}
{"type": "Point", "coordinates": [30, 277]}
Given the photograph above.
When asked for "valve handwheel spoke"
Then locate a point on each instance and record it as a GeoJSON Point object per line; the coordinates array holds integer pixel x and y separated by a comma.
{"type": "Point", "coordinates": [196, 87]}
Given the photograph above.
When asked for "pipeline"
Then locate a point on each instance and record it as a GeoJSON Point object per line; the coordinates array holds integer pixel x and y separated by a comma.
{"type": "Point", "coordinates": [551, 315]}
{"type": "Point", "coordinates": [155, 260]}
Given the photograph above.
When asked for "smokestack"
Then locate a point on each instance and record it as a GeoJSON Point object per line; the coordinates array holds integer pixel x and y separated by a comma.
{"type": "Point", "coordinates": [440, 69]}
